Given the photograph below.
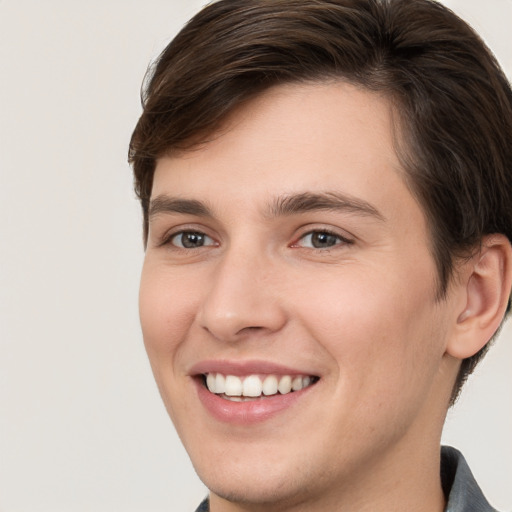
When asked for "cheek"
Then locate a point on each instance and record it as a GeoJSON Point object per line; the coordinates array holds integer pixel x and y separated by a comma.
{"type": "Point", "coordinates": [166, 310]}
{"type": "Point", "coordinates": [378, 330]}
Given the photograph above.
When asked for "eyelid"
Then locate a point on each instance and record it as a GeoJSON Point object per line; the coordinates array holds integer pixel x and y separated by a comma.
{"type": "Point", "coordinates": [343, 239]}
{"type": "Point", "coordinates": [188, 232]}
{"type": "Point", "coordinates": [167, 236]}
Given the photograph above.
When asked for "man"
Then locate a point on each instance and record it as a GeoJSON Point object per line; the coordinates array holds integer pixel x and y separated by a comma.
{"type": "Point", "coordinates": [327, 201]}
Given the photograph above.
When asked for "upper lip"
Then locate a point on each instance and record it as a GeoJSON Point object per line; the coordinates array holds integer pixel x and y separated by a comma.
{"type": "Point", "coordinates": [248, 367]}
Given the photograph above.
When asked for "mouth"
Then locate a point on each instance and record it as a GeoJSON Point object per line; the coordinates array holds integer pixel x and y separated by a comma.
{"type": "Point", "coordinates": [250, 392]}
{"type": "Point", "coordinates": [237, 388]}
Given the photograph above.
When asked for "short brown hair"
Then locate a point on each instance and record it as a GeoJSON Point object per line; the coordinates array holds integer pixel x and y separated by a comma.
{"type": "Point", "coordinates": [454, 101]}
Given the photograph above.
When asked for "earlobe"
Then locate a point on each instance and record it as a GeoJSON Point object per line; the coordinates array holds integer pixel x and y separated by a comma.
{"type": "Point", "coordinates": [487, 285]}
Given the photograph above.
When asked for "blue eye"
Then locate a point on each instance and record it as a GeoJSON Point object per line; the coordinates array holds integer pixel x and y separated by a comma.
{"type": "Point", "coordinates": [321, 240]}
{"type": "Point", "coordinates": [191, 240]}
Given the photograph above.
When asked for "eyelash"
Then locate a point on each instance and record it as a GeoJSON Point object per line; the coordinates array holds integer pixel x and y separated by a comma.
{"type": "Point", "coordinates": [168, 240]}
{"type": "Point", "coordinates": [341, 240]}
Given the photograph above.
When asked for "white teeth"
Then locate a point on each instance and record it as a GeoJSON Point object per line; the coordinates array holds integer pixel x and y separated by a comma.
{"type": "Point", "coordinates": [285, 385]}
{"type": "Point", "coordinates": [233, 386]}
{"type": "Point", "coordinates": [210, 382]}
{"type": "Point", "coordinates": [235, 398]}
{"type": "Point", "coordinates": [220, 383]}
{"type": "Point", "coordinates": [297, 384]}
{"type": "Point", "coordinates": [254, 386]}
{"type": "Point", "coordinates": [270, 385]}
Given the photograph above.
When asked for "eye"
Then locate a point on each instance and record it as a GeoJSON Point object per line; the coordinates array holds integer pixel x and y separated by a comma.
{"type": "Point", "coordinates": [191, 240]}
{"type": "Point", "coordinates": [321, 240]}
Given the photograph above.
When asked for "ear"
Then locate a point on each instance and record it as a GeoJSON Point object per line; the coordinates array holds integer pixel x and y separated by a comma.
{"type": "Point", "coordinates": [486, 283]}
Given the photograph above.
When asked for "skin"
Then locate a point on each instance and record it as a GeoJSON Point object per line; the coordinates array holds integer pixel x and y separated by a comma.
{"type": "Point", "coordinates": [361, 314]}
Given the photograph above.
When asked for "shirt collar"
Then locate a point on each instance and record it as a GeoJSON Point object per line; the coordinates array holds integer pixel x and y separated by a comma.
{"type": "Point", "coordinates": [459, 484]}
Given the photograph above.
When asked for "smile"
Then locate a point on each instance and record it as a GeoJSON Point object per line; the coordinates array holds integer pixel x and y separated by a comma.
{"type": "Point", "coordinates": [252, 387]}
{"type": "Point", "coordinates": [250, 392]}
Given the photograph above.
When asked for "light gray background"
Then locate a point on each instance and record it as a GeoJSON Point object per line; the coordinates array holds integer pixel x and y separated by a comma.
{"type": "Point", "coordinates": [81, 424]}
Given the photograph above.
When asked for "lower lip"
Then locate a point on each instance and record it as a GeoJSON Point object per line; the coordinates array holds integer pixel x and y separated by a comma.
{"type": "Point", "coordinates": [246, 413]}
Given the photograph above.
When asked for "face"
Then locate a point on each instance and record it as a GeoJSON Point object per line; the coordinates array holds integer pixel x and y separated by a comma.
{"type": "Point", "coordinates": [288, 301]}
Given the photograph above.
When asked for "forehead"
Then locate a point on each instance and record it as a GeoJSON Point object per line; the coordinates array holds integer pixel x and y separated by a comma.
{"type": "Point", "coordinates": [301, 127]}
{"type": "Point", "coordinates": [294, 139]}
{"type": "Point", "coordinates": [321, 140]}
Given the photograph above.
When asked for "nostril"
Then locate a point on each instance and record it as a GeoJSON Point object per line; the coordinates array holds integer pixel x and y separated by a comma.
{"type": "Point", "coordinates": [250, 329]}
{"type": "Point", "coordinates": [229, 332]}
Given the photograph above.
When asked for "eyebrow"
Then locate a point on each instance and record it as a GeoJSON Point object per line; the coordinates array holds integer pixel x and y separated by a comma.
{"type": "Point", "coordinates": [325, 201]}
{"type": "Point", "coordinates": [166, 204]}
{"type": "Point", "coordinates": [281, 206]}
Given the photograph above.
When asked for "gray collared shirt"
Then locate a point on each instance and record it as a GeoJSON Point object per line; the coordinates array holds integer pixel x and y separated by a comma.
{"type": "Point", "coordinates": [459, 485]}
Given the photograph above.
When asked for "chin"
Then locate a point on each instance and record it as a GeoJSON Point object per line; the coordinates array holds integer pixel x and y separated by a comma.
{"type": "Point", "coordinates": [266, 490]}
{"type": "Point", "coordinates": [250, 475]}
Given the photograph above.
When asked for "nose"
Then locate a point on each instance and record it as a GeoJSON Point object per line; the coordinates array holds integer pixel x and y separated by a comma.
{"type": "Point", "coordinates": [243, 298]}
